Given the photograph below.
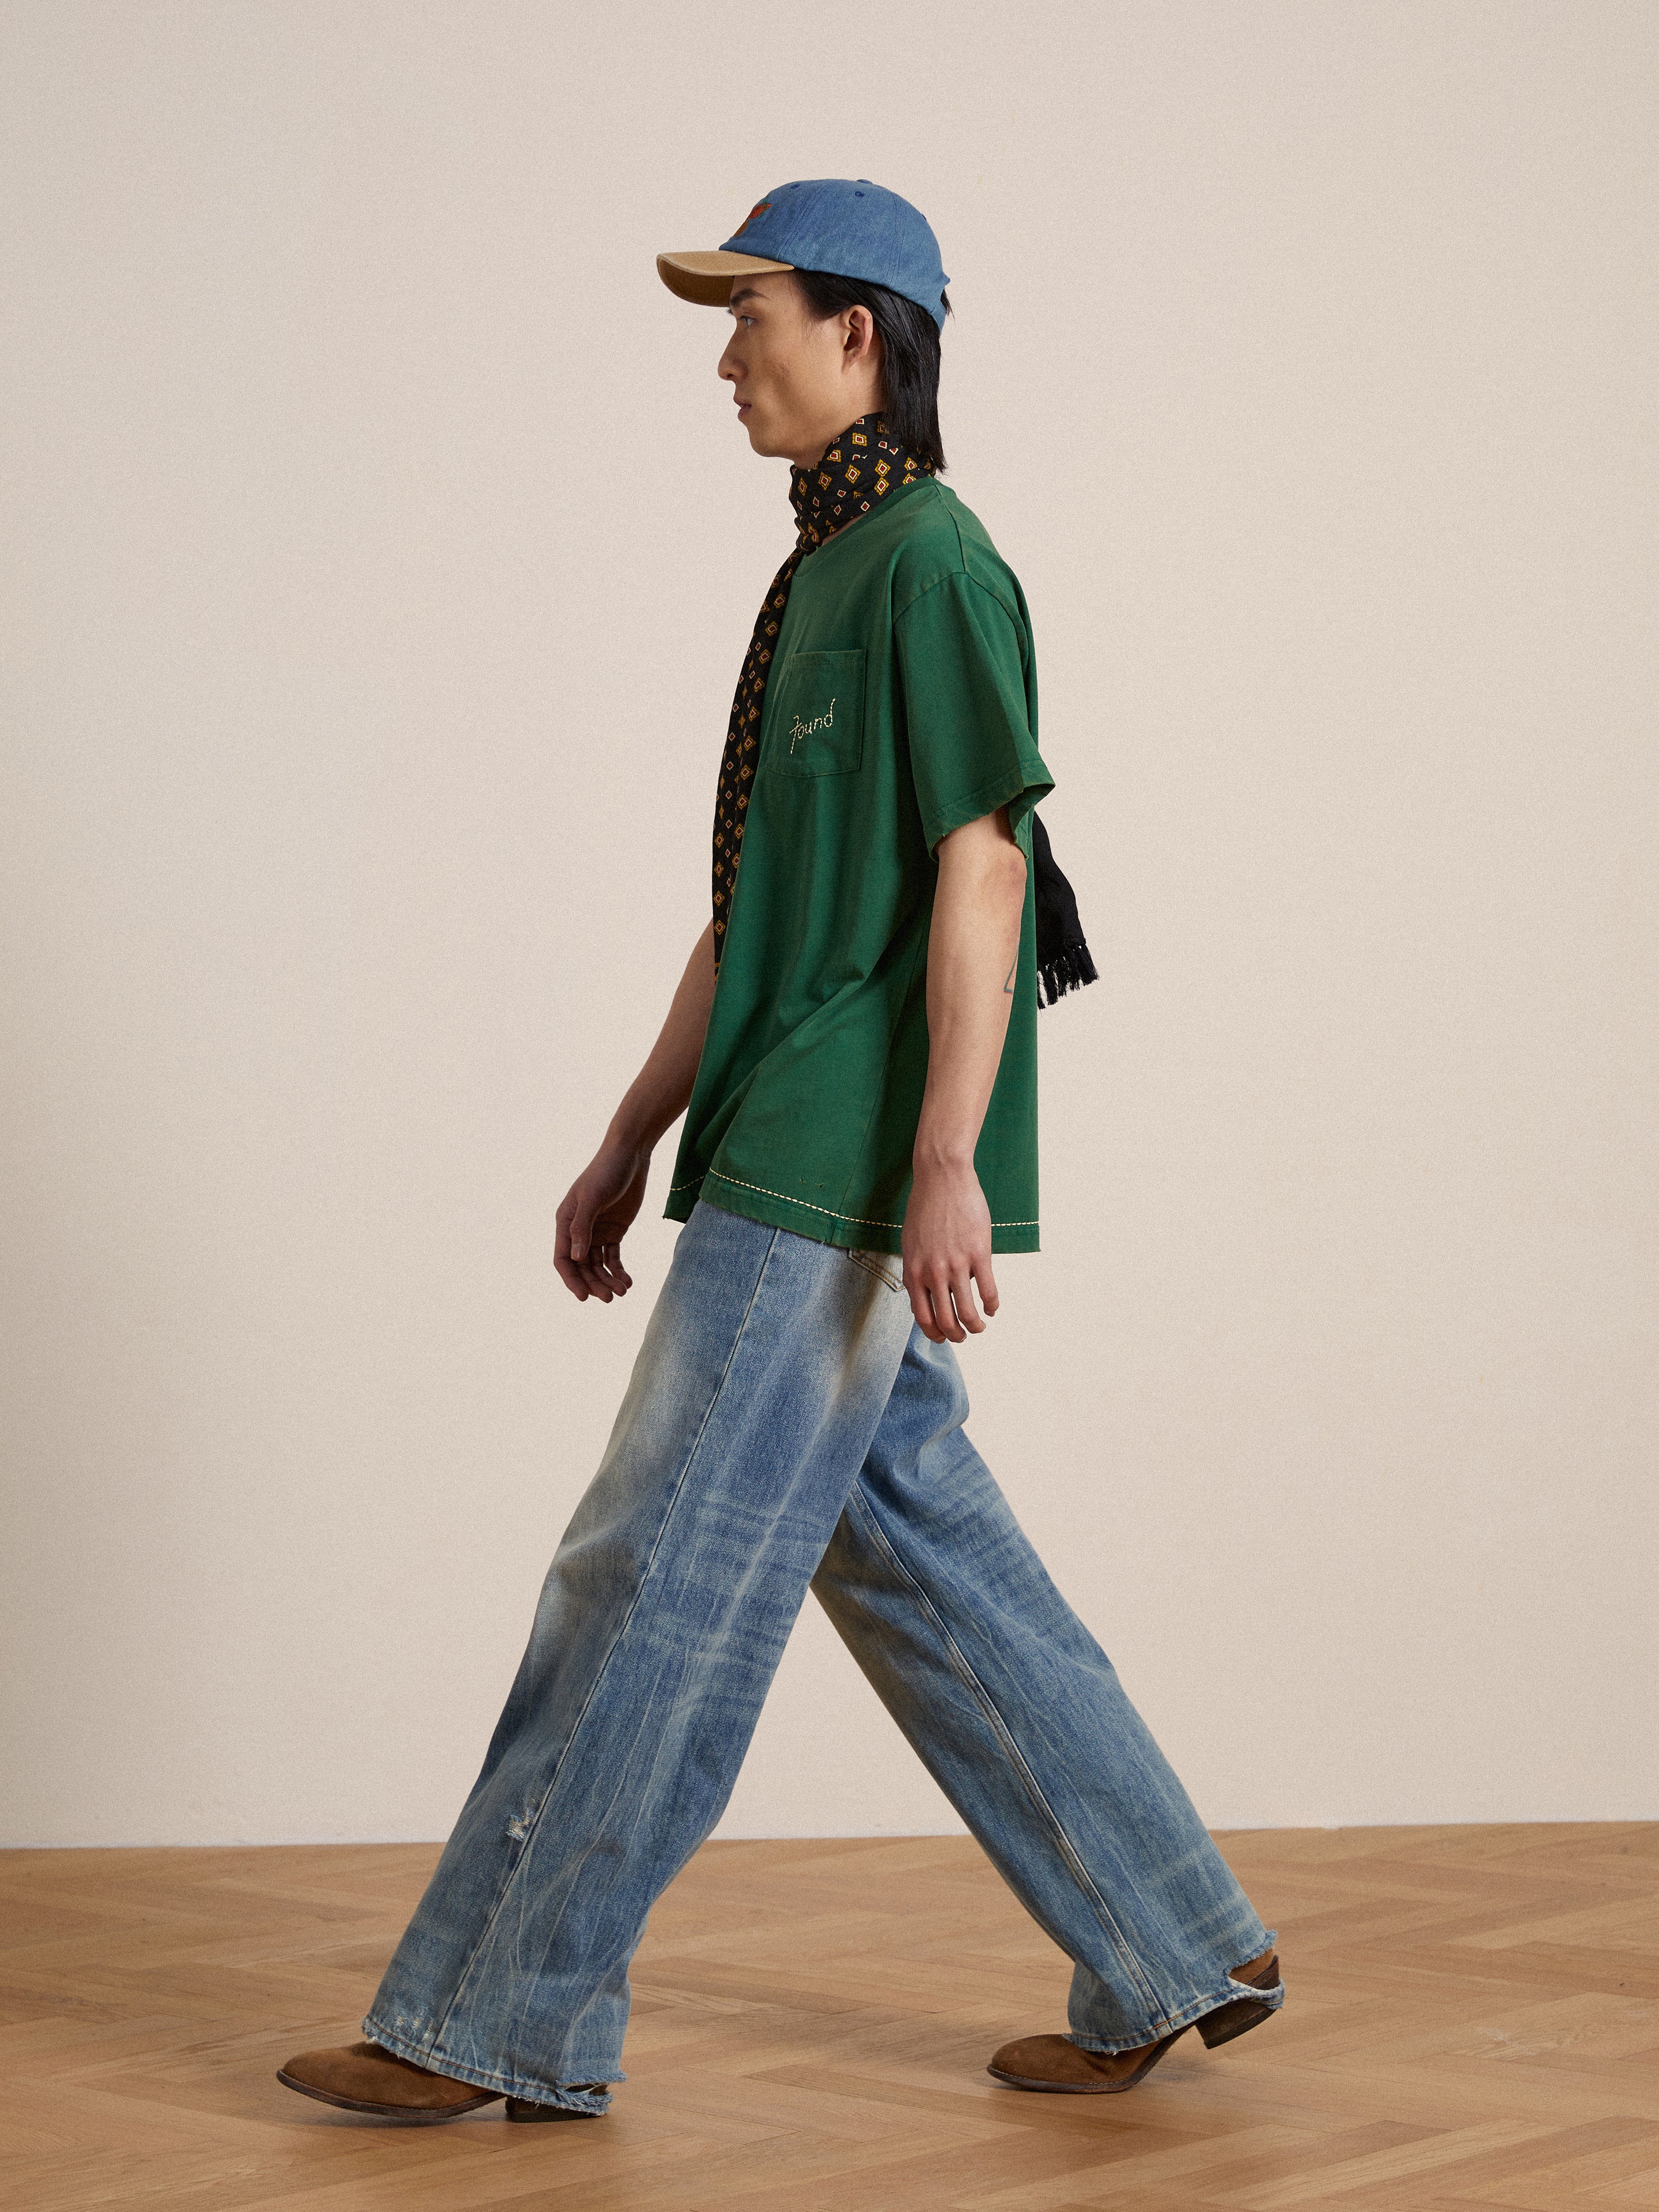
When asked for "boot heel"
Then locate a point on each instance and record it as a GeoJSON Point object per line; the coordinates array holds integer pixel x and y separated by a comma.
{"type": "Point", "coordinates": [1228, 2020]}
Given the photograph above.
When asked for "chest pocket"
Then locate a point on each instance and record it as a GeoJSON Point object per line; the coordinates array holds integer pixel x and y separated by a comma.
{"type": "Point", "coordinates": [818, 719]}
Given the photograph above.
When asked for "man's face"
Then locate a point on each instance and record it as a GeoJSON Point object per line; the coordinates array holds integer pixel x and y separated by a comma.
{"type": "Point", "coordinates": [796, 381]}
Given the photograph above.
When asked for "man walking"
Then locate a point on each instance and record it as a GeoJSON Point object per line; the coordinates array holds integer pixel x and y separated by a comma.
{"type": "Point", "coordinates": [853, 1044]}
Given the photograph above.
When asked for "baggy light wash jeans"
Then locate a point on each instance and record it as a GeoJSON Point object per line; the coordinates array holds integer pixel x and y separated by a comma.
{"type": "Point", "coordinates": [786, 1424]}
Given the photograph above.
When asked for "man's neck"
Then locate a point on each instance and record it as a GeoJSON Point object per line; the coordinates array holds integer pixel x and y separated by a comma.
{"type": "Point", "coordinates": [819, 451]}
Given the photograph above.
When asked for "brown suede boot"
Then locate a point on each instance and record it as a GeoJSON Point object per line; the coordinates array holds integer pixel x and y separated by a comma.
{"type": "Point", "coordinates": [525, 2108]}
{"type": "Point", "coordinates": [1056, 2063]}
{"type": "Point", "coordinates": [361, 2077]}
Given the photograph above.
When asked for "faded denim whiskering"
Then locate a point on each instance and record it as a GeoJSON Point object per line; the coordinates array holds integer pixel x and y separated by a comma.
{"type": "Point", "coordinates": [786, 1425]}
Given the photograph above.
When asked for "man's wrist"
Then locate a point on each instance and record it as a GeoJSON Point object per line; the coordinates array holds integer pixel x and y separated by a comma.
{"type": "Point", "coordinates": [630, 1133]}
{"type": "Point", "coordinates": [938, 1153]}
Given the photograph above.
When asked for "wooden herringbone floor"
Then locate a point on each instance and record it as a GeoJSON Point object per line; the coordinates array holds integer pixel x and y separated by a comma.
{"type": "Point", "coordinates": [1472, 2022]}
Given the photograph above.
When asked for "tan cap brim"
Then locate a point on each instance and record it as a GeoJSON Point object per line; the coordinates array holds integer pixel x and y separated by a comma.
{"type": "Point", "coordinates": [706, 278]}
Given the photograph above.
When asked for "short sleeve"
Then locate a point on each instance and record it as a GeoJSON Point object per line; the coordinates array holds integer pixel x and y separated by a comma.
{"type": "Point", "coordinates": [969, 705]}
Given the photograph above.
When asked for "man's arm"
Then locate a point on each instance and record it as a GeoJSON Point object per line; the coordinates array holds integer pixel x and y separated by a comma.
{"type": "Point", "coordinates": [973, 952]}
{"type": "Point", "coordinates": [601, 1204]}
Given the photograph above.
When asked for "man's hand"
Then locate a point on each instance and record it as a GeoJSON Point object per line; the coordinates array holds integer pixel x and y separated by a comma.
{"type": "Point", "coordinates": [599, 1206]}
{"type": "Point", "coordinates": [593, 1216]}
{"type": "Point", "coordinates": [946, 1247]}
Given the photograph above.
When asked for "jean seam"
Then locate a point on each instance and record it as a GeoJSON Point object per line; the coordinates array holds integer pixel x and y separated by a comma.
{"type": "Point", "coordinates": [859, 1259]}
{"type": "Point", "coordinates": [959, 1662]}
{"type": "Point", "coordinates": [534, 1821]}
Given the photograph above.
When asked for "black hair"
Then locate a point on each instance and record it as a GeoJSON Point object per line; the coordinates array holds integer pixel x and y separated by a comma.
{"type": "Point", "coordinates": [909, 353]}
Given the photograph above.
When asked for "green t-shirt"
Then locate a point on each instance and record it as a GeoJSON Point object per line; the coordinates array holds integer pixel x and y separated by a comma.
{"type": "Point", "coordinates": [901, 703]}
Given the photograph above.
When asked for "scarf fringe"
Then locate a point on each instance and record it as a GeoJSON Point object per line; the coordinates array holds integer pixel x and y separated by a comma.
{"type": "Point", "coordinates": [1069, 970]}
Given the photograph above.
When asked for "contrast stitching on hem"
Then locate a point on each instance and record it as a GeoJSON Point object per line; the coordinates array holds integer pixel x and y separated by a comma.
{"type": "Point", "coordinates": [959, 1662]}
{"type": "Point", "coordinates": [863, 1220]}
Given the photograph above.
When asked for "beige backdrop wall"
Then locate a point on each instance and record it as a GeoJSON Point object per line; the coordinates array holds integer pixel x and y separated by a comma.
{"type": "Point", "coordinates": [379, 555]}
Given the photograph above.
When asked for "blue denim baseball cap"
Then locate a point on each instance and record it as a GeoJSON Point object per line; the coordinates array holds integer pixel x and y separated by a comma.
{"type": "Point", "coordinates": [845, 225]}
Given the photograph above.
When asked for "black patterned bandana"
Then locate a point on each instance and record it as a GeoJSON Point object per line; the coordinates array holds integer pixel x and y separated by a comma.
{"type": "Point", "coordinates": [856, 473]}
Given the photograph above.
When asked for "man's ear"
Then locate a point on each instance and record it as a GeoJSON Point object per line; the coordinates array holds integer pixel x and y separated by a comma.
{"type": "Point", "coordinates": [862, 337]}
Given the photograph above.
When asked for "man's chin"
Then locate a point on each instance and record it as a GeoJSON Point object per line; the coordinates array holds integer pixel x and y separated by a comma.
{"type": "Point", "coordinates": [760, 443]}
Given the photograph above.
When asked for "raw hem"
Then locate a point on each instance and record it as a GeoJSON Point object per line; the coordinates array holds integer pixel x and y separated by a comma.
{"type": "Point", "coordinates": [846, 1231]}
{"type": "Point", "coordinates": [1272, 1996]}
{"type": "Point", "coordinates": [509, 2085]}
